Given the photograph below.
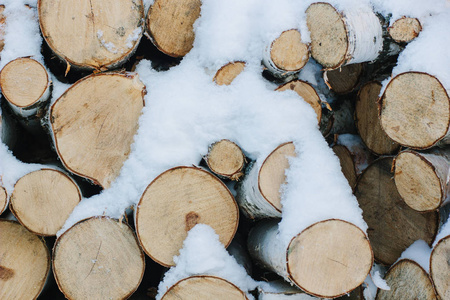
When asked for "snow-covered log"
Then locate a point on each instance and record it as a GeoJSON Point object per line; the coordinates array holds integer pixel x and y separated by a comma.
{"type": "Point", "coordinates": [393, 225]}
{"type": "Point", "coordinates": [405, 29]}
{"type": "Point", "coordinates": [3, 200]}
{"type": "Point", "coordinates": [440, 267]}
{"type": "Point", "coordinates": [93, 124]}
{"type": "Point", "coordinates": [170, 25]}
{"type": "Point", "coordinates": [175, 202]}
{"type": "Point", "coordinates": [42, 200]}
{"type": "Point", "coordinates": [328, 259]}
{"type": "Point", "coordinates": [344, 79]}
{"type": "Point", "coordinates": [226, 160]}
{"type": "Point", "coordinates": [24, 264]}
{"type": "Point", "coordinates": [227, 73]}
{"type": "Point", "coordinates": [92, 34]}
{"type": "Point", "coordinates": [368, 123]}
{"type": "Point", "coordinates": [98, 258]}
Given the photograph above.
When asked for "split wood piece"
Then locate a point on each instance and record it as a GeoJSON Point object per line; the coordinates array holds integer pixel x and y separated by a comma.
{"type": "Point", "coordinates": [226, 74]}
{"type": "Point", "coordinates": [367, 121]}
{"type": "Point", "coordinates": [43, 200]}
{"type": "Point", "coordinates": [328, 259]}
{"type": "Point", "coordinates": [287, 54]}
{"type": "Point", "coordinates": [25, 84]}
{"type": "Point", "coordinates": [344, 79]}
{"type": "Point", "coordinates": [3, 200]}
{"type": "Point", "coordinates": [2, 27]}
{"type": "Point", "coordinates": [98, 258]}
{"type": "Point", "coordinates": [407, 280]}
{"type": "Point", "coordinates": [170, 25]}
{"type": "Point", "coordinates": [410, 97]}
{"type": "Point", "coordinates": [89, 34]}
{"type": "Point", "coordinates": [422, 178]}
{"type": "Point", "coordinates": [93, 124]}
{"type": "Point", "coordinates": [404, 30]}
{"type": "Point", "coordinates": [204, 287]}
{"type": "Point", "coordinates": [341, 38]}
{"type": "Point", "coordinates": [24, 264]}
{"type": "Point", "coordinates": [259, 193]}
{"type": "Point", "coordinates": [440, 267]}
{"type": "Point", "coordinates": [393, 226]}
{"type": "Point", "coordinates": [174, 203]}
{"type": "Point", "coordinates": [226, 160]}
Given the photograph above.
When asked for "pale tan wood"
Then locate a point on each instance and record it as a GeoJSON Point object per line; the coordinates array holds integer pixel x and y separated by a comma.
{"type": "Point", "coordinates": [98, 258]}
{"type": "Point", "coordinates": [23, 82]}
{"type": "Point", "coordinates": [329, 258]}
{"type": "Point", "coordinates": [347, 165]}
{"type": "Point", "coordinates": [404, 30]}
{"type": "Point", "coordinates": [226, 74]}
{"type": "Point", "coordinates": [24, 263]}
{"type": "Point", "coordinates": [2, 27]}
{"type": "Point", "coordinates": [204, 287]}
{"type": "Point", "coordinates": [440, 267]}
{"type": "Point", "coordinates": [393, 226]}
{"type": "Point", "coordinates": [344, 79]}
{"type": "Point", "coordinates": [226, 159]}
{"type": "Point", "coordinates": [43, 200]}
{"type": "Point", "coordinates": [93, 124]}
{"type": "Point", "coordinates": [415, 110]}
{"type": "Point", "coordinates": [368, 123]}
{"type": "Point", "coordinates": [176, 201]}
{"type": "Point", "coordinates": [3, 199]}
{"type": "Point", "coordinates": [288, 52]}
{"type": "Point", "coordinates": [407, 280]}
{"type": "Point", "coordinates": [170, 25]}
{"type": "Point", "coordinates": [92, 34]}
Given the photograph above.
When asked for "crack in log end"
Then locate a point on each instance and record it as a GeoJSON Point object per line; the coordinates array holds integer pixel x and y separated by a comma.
{"type": "Point", "coordinates": [94, 261]}
{"type": "Point", "coordinates": [6, 273]}
{"type": "Point", "coordinates": [192, 219]}
{"type": "Point", "coordinates": [337, 262]}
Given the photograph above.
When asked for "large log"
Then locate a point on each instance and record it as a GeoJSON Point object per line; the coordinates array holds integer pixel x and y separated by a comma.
{"type": "Point", "coordinates": [93, 124]}
{"type": "Point", "coordinates": [226, 160]}
{"type": "Point", "coordinates": [98, 258]}
{"type": "Point", "coordinates": [440, 267]}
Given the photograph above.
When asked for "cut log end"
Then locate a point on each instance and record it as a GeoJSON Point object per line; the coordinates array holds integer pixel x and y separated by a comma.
{"type": "Point", "coordinates": [2, 27]}
{"type": "Point", "coordinates": [229, 72]}
{"type": "Point", "coordinates": [344, 79]}
{"type": "Point", "coordinates": [330, 258]}
{"type": "Point", "coordinates": [288, 52]}
{"type": "Point", "coordinates": [440, 267]}
{"type": "Point", "coordinates": [204, 287]}
{"type": "Point", "coordinates": [404, 30]}
{"type": "Point", "coordinates": [3, 200]}
{"type": "Point", "coordinates": [176, 201]}
{"type": "Point", "coordinates": [417, 181]}
{"type": "Point", "coordinates": [347, 165]}
{"type": "Point", "coordinates": [24, 264]}
{"type": "Point", "coordinates": [108, 262]}
{"type": "Point", "coordinates": [410, 97]}
{"type": "Point", "coordinates": [170, 25]}
{"type": "Point", "coordinates": [23, 82]}
{"type": "Point", "coordinates": [226, 159]}
{"type": "Point", "coordinates": [43, 200]}
{"type": "Point", "coordinates": [407, 280]}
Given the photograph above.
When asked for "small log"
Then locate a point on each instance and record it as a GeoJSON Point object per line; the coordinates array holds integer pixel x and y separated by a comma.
{"type": "Point", "coordinates": [170, 25]}
{"type": "Point", "coordinates": [328, 259]}
{"type": "Point", "coordinates": [226, 159]}
{"type": "Point", "coordinates": [24, 264]}
{"type": "Point", "coordinates": [176, 201]}
{"type": "Point", "coordinates": [2, 27]}
{"type": "Point", "coordinates": [440, 267]}
{"type": "Point", "coordinates": [407, 280]}
{"type": "Point", "coordinates": [393, 226]}
{"type": "Point", "coordinates": [287, 54]}
{"type": "Point", "coordinates": [259, 193]}
{"type": "Point", "coordinates": [97, 117]}
{"type": "Point", "coordinates": [43, 200]}
{"type": "Point", "coordinates": [341, 38]}
{"type": "Point", "coordinates": [405, 29]}
{"type": "Point", "coordinates": [92, 34]}
{"type": "Point", "coordinates": [368, 123]}
{"type": "Point", "coordinates": [98, 258]}
{"type": "Point", "coordinates": [226, 74]}
{"type": "Point", "coordinates": [344, 79]}
{"type": "Point", "coordinates": [204, 287]}
{"type": "Point", "coordinates": [3, 200]}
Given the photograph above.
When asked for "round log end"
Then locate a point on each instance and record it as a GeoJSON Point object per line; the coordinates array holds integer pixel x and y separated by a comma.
{"type": "Point", "coordinates": [204, 287]}
{"type": "Point", "coordinates": [226, 159]}
{"type": "Point", "coordinates": [24, 264]}
{"type": "Point", "coordinates": [175, 202]}
{"type": "Point", "coordinates": [405, 29]}
{"type": "Point", "coordinates": [440, 267]}
{"type": "Point", "coordinates": [344, 79]}
{"type": "Point", "coordinates": [23, 82]}
{"type": "Point", "coordinates": [417, 182]}
{"type": "Point", "coordinates": [415, 110]}
{"type": "Point", "coordinates": [329, 258]}
{"type": "Point", "coordinates": [170, 25]}
{"type": "Point", "coordinates": [3, 199]}
{"type": "Point", "coordinates": [329, 40]}
{"type": "Point", "coordinates": [288, 52]}
{"type": "Point", "coordinates": [98, 258]}
{"type": "Point", "coordinates": [347, 165]}
{"type": "Point", "coordinates": [43, 200]}
{"type": "Point", "coordinates": [226, 74]}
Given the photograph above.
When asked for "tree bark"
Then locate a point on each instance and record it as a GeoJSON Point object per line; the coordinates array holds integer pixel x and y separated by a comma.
{"type": "Point", "coordinates": [226, 160]}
